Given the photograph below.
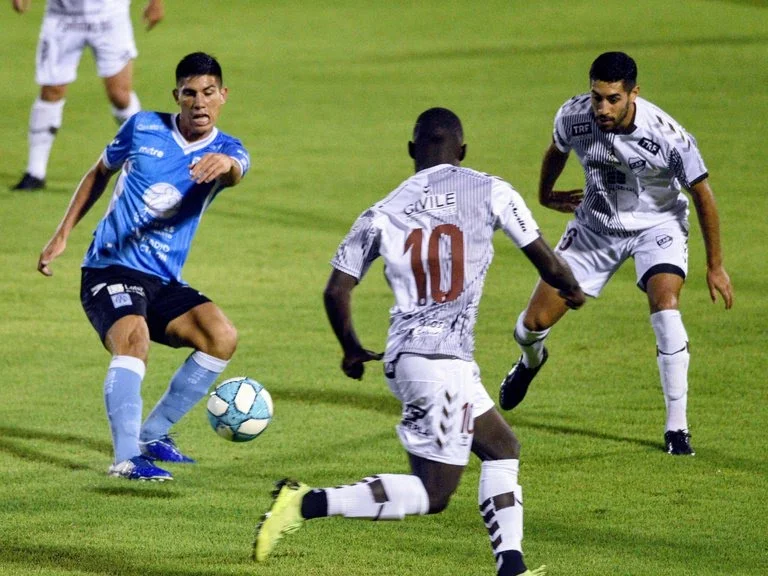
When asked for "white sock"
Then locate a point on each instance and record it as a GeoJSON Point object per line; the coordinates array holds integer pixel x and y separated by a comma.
{"type": "Point", "coordinates": [531, 343]}
{"type": "Point", "coordinates": [44, 122]}
{"type": "Point", "coordinates": [122, 114]}
{"type": "Point", "coordinates": [673, 359]}
{"type": "Point", "coordinates": [380, 497]}
{"type": "Point", "coordinates": [501, 504]}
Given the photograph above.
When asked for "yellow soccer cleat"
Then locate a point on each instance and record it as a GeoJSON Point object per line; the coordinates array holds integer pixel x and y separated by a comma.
{"type": "Point", "coordinates": [283, 517]}
{"type": "Point", "coordinates": [540, 571]}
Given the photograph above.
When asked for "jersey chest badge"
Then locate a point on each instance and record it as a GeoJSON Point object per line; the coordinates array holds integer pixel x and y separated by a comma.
{"type": "Point", "coordinates": [636, 164]}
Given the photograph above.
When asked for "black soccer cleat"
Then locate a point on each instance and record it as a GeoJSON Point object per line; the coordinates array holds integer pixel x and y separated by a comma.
{"type": "Point", "coordinates": [678, 443]}
{"type": "Point", "coordinates": [29, 182]}
{"type": "Point", "coordinates": [515, 385]}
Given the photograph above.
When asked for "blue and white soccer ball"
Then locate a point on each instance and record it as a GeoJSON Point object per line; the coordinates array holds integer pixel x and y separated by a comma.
{"type": "Point", "coordinates": [239, 409]}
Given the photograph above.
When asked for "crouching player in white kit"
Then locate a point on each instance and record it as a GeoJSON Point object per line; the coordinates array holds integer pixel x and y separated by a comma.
{"type": "Point", "coordinates": [636, 159]}
{"type": "Point", "coordinates": [435, 234]}
{"type": "Point", "coordinates": [68, 27]}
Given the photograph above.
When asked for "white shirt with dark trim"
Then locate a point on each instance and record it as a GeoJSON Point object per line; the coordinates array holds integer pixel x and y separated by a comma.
{"type": "Point", "coordinates": [435, 233]}
{"type": "Point", "coordinates": [634, 180]}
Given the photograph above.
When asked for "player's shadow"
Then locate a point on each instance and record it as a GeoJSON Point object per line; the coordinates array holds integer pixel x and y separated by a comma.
{"type": "Point", "coordinates": [722, 459]}
{"type": "Point", "coordinates": [142, 490]}
{"type": "Point", "coordinates": [354, 399]}
{"type": "Point", "coordinates": [88, 559]}
{"type": "Point", "coordinates": [14, 441]}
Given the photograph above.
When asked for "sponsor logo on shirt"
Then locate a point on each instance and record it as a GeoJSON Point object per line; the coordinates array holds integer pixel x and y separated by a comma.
{"type": "Point", "coordinates": [163, 200]}
{"type": "Point", "coordinates": [649, 145]}
{"type": "Point", "coordinates": [149, 127]}
{"type": "Point", "coordinates": [151, 151]}
{"type": "Point", "coordinates": [581, 129]}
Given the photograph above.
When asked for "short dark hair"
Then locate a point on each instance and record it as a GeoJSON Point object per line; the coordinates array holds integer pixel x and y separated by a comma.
{"type": "Point", "coordinates": [198, 64]}
{"type": "Point", "coordinates": [436, 124]}
{"type": "Point", "coordinates": [614, 67]}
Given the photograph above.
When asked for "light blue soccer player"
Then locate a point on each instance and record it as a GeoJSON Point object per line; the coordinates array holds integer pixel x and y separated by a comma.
{"type": "Point", "coordinates": [171, 167]}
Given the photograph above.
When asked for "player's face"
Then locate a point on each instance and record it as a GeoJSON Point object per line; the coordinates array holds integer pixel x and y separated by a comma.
{"type": "Point", "coordinates": [612, 105]}
{"type": "Point", "coordinates": [200, 99]}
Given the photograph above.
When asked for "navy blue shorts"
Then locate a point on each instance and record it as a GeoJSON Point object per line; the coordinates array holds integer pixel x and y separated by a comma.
{"type": "Point", "coordinates": [108, 294]}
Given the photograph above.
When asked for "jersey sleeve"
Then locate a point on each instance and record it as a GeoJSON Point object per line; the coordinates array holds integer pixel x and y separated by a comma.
{"type": "Point", "coordinates": [235, 150]}
{"type": "Point", "coordinates": [512, 215]}
{"type": "Point", "coordinates": [359, 248]}
{"type": "Point", "coordinates": [559, 133]}
{"type": "Point", "coordinates": [686, 163]}
{"type": "Point", "coordinates": [117, 151]}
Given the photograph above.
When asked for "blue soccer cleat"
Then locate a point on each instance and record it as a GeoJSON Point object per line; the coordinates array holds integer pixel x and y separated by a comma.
{"type": "Point", "coordinates": [165, 450]}
{"type": "Point", "coordinates": [139, 468]}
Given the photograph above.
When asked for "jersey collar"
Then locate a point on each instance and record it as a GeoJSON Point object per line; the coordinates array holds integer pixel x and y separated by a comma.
{"type": "Point", "coordinates": [189, 147]}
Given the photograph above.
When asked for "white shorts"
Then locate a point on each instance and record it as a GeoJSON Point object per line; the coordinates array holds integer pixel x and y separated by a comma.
{"type": "Point", "coordinates": [63, 39]}
{"type": "Point", "coordinates": [595, 257]}
{"type": "Point", "coordinates": [441, 399]}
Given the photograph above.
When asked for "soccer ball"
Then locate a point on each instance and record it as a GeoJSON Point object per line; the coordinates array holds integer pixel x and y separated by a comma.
{"type": "Point", "coordinates": [239, 409]}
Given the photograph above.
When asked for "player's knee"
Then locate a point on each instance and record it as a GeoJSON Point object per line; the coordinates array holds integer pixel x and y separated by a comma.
{"type": "Point", "coordinates": [53, 93]}
{"type": "Point", "coordinates": [128, 339]}
{"type": "Point", "coordinates": [438, 501]}
{"type": "Point", "coordinates": [119, 96]}
{"type": "Point", "coordinates": [223, 341]}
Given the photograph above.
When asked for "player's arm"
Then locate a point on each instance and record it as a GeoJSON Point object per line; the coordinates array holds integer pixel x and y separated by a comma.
{"type": "Point", "coordinates": [555, 272]}
{"type": "Point", "coordinates": [89, 190]}
{"type": "Point", "coordinates": [212, 166]}
{"type": "Point", "coordinates": [552, 167]}
{"type": "Point", "coordinates": [338, 297]}
{"type": "Point", "coordinates": [709, 222]}
{"type": "Point", "coordinates": [153, 13]}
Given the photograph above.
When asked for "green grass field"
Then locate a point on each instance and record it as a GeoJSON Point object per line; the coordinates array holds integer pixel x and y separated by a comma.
{"type": "Point", "coordinates": [325, 97]}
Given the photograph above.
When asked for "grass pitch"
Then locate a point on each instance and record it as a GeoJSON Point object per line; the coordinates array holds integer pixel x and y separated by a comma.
{"type": "Point", "coordinates": [325, 97]}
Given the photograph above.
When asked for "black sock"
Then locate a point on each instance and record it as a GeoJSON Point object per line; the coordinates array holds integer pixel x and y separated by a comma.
{"type": "Point", "coordinates": [511, 563]}
{"type": "Point", "coordinates": [314, 504]}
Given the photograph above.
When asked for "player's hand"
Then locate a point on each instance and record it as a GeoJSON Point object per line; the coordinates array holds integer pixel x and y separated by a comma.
{"type": "Point", "coordinates": [21, 6]}
{"type": "Point", "coordinates": [153, 13]}
{"type": "Point", "coordinates": [210, 167]}
{"type": "Point", "coordinates": [565, 200]}
{"type": "Point", "coordinates": [719, 281]}
{"type": "Point", "coordinates": [52, 250]}
{"type": "Point", "coordinates": [574, 299]}
{"type": "Point", "coordinates": [353, 363]}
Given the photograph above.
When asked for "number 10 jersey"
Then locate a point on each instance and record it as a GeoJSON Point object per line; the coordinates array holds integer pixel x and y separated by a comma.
{"type": "Point", "coordinates": [435, 233]}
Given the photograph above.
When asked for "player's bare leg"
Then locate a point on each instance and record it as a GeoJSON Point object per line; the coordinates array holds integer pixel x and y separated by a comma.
{"type": "Point", "coordinates": [500, 497]}
{"type": "Point", "coordinates": [44, 123]}
{"type": "Point", "coordinates": [672, 357]}
{"type": "Point", "coordinates": [206, 329]}
{"type": "Point", "coordinates": [119, 89]}
{"type": "Point", "coordinates": [544, 310]}
{"type": "Point", "coordinates": [128, 341]}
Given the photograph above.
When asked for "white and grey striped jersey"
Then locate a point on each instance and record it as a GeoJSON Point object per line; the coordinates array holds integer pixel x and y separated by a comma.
{"type": "Point", "coordinates": [634, 180]}
{"type": "Point", "coordinates": [85, 7]}
{"type": "Point", "coordinates": [435, 234]}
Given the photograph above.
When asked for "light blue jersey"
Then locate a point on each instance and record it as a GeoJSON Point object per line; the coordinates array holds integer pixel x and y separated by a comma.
{"type": "Point", "coordinates": [156, 206]}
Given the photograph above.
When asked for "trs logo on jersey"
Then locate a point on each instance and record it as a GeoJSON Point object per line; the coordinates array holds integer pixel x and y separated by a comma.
{"type": "Point", "coordinates": [649, 145]}
{"type": "Point", "coordinates": [581, 129]}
